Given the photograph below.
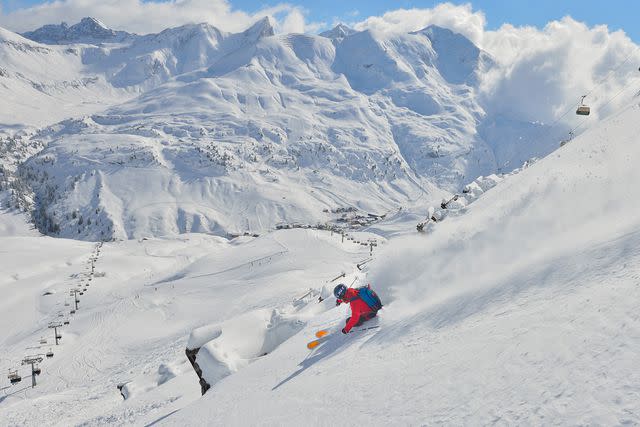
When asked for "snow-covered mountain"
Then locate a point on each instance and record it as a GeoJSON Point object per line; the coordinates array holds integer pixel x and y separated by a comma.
{"type": "Point", "coordinates": [215, 132]}
{"type": "Point", "coordinates": [88, 30]}
{"type": "Point", "coordinates": [518, 308]}
{"type": "Point", "coordinates": [338, 33]}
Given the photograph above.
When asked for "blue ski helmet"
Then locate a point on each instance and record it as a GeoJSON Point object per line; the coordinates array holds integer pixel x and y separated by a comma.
{"type": "Point", "coordinates": [339, 291]}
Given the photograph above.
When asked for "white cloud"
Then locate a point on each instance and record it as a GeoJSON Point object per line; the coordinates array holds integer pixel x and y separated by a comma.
{"type": "Point", "coordinates": [461, 19]}
{"type": "Point", "coordinates": [545, 71]}
{"type": "Point", "coordinates": [293, 22]}
{"type": "Point", "coordinates": [146, 17]}
{"type": "Point", "coordinates": [542, 72]}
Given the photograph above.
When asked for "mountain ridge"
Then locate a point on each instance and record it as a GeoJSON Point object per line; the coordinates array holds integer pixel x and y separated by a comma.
{"type": "Point", "coordinates": [375, 122]}
{"type": "Point", "coordinates": [88, 30]}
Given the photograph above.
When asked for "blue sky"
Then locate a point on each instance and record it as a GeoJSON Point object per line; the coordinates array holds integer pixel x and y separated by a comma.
{"type": "Point", "coordinates": [617, 14]}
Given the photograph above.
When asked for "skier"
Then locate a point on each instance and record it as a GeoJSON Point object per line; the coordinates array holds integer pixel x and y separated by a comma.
{"type": "Point", "coordinates": [364, 304]}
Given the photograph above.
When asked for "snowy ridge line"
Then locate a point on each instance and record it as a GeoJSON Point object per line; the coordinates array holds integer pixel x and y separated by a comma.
{"type": "Point", "coordinates": [471, 192]}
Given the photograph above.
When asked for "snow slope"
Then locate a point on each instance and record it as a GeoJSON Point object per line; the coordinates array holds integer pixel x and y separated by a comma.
{"type": "Point", "coordinates": [520, 310]}
{"type": "Point", "coordinates": [45, 84]}
{"type": "Point", "coordinates": [138, 310]}
{"type": "Point", "coordinates": [486, 321]}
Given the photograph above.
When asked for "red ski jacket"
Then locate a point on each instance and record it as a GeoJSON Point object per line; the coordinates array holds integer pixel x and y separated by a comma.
{"type": "Point", "coordinates": [359, 308]}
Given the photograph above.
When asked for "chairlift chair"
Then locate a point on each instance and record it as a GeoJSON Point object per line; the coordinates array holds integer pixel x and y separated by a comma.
{"type": "Point", "coordinates": [583, 110]}
{"type": "Point", "coordinates": [37, 370]}
{"type": "Point", "coordinates": [43, 341]}
{"type": "Point", "coordinates": [66, 322]}
{"type": "Point", "coordinates": [49, 354]}
{"type": "Point", "coordinates": [14, 378]}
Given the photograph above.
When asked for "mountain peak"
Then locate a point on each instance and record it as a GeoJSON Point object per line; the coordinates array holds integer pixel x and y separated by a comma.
{"type": "Point", "coordinates": [338, 33]}
{"type": "Point", "coordinates": [88, 30]}
{"type": "Point", "coordinates": [459, 59]}
{"type": "Point", "coordinates": [91, 25]}
{"type": "Point", "coordinates": [262, 28]}
{"type": "Point", "coordinates": [445, 36]}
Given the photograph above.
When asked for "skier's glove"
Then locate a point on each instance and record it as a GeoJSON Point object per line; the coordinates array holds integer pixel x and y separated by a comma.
{"type": "Point", "coordinates": [344, 331]}
{"type": "Point", "coordinates": [338, 302]}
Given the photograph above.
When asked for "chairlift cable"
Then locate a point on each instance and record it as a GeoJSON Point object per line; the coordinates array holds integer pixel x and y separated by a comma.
{"type": "Point", "coordinates": [596, 86]}
{"type": "Point", "coordinates": [602, 106]}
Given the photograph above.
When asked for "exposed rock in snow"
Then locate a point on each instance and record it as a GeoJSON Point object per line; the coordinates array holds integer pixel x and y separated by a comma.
{"type": "Point", "coordinates": [338, 33]}
{"type": "Point", "coordinates": [88, 30]}
{"type": "Point", "coordinates": [262, 28]}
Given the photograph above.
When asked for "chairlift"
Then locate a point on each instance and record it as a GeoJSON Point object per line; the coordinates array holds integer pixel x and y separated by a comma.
{"type": "Point", "coordinates": [37, 370]}
{"type": "Point", "coordinates": [66, 304]}
{"type": "Point", "coordinates": [583, 110]}
{"type": "Point", "coordinates": [66, 322]}
{"type": "Point", "coordinates": [43, 341]}
{"type": "Point", "coordinates": [81, 293]}
{"type": "Point", "coordinates": [49, 354]}
{"type": "Point", "coordinates": [72, 312]}
{"type": "Point", "coordinates": [13, 376]}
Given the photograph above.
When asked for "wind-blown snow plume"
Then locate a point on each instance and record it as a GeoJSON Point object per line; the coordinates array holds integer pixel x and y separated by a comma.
{"type": "Point", "coordinates": [543, 72]}
{"type": "Point", "coordinates": [484, 257]}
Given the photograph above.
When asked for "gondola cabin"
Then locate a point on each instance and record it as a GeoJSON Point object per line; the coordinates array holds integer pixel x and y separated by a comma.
{"type": "Point", "coordinates": [583, 110]}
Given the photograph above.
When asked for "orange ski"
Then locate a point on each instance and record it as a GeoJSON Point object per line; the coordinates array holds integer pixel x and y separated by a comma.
{"type": "Point", "coordinates": [322, 333]}
{"type": "Point", "coordinates": [313, 344]}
